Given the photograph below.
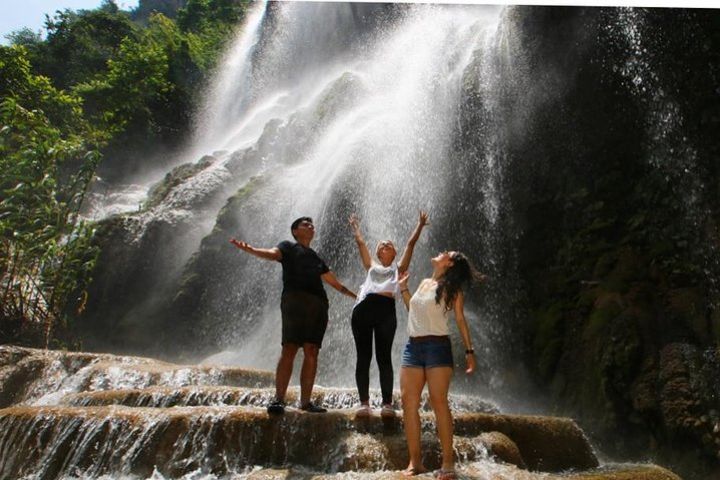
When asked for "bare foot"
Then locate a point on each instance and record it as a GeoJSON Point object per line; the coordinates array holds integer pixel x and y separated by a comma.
{"type": "Point", "coordinates": [411, 471]}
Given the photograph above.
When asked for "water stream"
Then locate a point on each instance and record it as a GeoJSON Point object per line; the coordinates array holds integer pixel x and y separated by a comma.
{"type": "Point", "coordinates": [352, 126]}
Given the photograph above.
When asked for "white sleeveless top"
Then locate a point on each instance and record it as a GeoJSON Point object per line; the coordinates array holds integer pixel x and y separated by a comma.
{"type": "Point", "coordinates": [426, 317]}
{"type": "Point", "coordinates": [379, 279]}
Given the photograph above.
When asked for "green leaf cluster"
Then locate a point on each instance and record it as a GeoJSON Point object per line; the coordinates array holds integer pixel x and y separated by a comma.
{"type": "Point", "coordinates": [48, 155]}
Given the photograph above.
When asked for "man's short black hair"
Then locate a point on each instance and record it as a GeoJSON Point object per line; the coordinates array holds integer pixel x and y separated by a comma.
{"type": "Point", "coordinates": [297, 222]}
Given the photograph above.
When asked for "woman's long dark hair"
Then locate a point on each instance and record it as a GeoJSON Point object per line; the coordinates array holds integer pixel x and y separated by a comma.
{"type": "Point", "coordinates": [459, 273]}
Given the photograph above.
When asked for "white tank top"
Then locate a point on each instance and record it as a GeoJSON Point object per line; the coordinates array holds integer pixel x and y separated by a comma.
{"type": "Point", "coordinates": [426, 316]}
{"type": "Point", "coordinates": [379, 279]}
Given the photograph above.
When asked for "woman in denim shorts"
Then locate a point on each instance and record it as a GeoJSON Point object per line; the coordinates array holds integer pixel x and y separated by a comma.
{"type": "Point", "coordinates": [428, 358]}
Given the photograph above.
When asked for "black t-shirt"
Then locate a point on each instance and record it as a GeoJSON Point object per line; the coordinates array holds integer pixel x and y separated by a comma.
{"type": "Point", "coordinates": [302, 268]}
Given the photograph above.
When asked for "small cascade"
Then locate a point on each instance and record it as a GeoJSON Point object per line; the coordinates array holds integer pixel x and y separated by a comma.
{"type": "Point", "coordinates": [39, 377]}
{"type": "Point", "coordinates": [223, 101]}
{"type": "Point", "coordinates": [334, 398]}
{"type": "Point", "coordinates": [107, 416]}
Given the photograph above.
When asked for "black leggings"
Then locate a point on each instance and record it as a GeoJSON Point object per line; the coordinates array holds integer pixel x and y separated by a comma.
{"type": "Point", "coordinates": [376, 313]}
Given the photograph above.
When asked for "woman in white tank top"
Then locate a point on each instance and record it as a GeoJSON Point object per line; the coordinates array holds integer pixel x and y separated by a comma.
{"type": "Point", "coordinates": [428, 355]}
{"type": "Point", "coordinates": [374, 313]}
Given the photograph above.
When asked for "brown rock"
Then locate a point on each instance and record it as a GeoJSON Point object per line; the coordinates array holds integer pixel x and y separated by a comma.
{"type": "Point", "coordinates": [549, 444]}
{"type": "Point", "coordinates": [502, 448]}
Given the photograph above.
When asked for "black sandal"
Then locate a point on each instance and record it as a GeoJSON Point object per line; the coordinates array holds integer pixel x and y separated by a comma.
{"type": "Point", "coordinates": [276, 407]}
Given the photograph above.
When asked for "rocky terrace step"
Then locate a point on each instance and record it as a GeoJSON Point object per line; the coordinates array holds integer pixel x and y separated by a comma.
{"type": "Point", "coordinates": [336, 398]}
{"type": "Point", "coordinates": [43, 377]}
{"type": "Point", "coordinates": [221, 439]}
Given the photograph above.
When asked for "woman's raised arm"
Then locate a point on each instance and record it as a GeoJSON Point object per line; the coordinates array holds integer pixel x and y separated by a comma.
{"type": "Point", "coordinates": [364, 252]}
{"type": "Point", "coordinates": [410, 246]}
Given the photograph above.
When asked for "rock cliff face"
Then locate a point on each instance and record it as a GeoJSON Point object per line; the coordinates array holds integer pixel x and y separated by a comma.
{"type": "Point", "coordinates": [618, 250]}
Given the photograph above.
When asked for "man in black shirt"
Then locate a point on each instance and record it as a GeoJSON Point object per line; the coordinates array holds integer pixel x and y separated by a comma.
{"type": "Point", "coordinates": [304, 308]}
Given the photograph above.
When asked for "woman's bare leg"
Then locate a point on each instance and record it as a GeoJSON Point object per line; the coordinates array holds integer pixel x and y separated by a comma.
{"type": "Point", "coordinates": [412, 382]}
{"type": "Point", "coordinates": [438, 380]}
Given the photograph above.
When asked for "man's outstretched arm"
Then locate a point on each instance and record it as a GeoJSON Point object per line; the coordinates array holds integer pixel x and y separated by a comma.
{"type": "Point", "coordinates": [266, 253]}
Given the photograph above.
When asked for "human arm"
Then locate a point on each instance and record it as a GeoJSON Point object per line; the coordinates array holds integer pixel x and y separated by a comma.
{"type": "Point", "coordinates": [404, 263]}
{"type": "Point", "coordinates": [362, 247]}
{"type": "Point", "coordinates": [330, 278]}
{"type": "Point", "coordinates": [404, 291]}
{"type": "Point", "coordinates": [266, 253]}
{"type": "Point", "coordinates": [459, 309]}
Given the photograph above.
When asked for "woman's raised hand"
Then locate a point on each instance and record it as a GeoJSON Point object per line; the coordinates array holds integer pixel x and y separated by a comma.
{"type": "Point", "coordinates": [354, 222]}
{"type": "Point", "coordinates": [424, 219]}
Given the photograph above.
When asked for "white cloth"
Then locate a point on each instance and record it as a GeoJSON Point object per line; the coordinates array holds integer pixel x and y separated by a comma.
{"type": "Point", "coordinates": [379, 279]}
{"type": "Point", "coordinates": [426, 317]}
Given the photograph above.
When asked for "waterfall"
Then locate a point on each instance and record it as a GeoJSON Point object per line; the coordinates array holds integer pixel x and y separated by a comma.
{"type": "Point", "coordinates": [231, 91]}
{"type": "Point", "coordinates": [347, 126]}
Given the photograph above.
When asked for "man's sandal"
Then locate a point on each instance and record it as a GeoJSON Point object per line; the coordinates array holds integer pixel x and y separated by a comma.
{"type": "Point", "coordinates": [276, 407]}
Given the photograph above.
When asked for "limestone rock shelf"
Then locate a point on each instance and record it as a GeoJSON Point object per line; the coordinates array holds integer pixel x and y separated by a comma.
{"type": "Point", "coordinates": [89, 415]}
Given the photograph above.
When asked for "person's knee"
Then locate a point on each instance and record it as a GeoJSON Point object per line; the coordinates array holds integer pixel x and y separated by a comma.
{"type": "Point", "coordinates": [410, 400]}
{"type": "Point", "coordinates": [438, 400]}
{"type": "Point", "coordinates": [288, 352]}
{"type": "Point", "coordinates": [364, 358]}
{"type": "Point", "coordinates": [311, 350]}
{"type": "Point", "coordinates": [384, 361]}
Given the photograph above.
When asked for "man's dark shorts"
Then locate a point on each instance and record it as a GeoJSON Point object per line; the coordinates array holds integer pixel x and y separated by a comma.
{"type": "Point", "coordinates": [304, 318]}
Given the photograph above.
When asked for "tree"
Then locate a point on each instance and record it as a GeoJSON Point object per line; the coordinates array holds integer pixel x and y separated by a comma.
{"type": "Point", "coordinates": [79, 44]}
{"type": "Point", "coordinates": [24, 37]}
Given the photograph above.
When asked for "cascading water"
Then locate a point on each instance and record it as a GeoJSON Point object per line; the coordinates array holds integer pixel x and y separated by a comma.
{"type": "Point", "coordinates": [356, 127]}
{"type": "Point", "coordinates": [231, 92]}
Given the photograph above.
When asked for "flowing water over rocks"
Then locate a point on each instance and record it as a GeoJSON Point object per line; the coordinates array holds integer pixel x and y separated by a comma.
{"type": "Point", "coordinates": [81, 415]}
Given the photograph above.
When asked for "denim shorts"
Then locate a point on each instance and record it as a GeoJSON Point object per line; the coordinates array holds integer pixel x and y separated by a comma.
{"type": "Point", "coordinates": [428, 352]}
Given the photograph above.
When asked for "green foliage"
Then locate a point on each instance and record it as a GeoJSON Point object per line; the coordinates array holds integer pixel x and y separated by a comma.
{"type": "Point", "coordinates": [135, 78]}
{"type": "Point", "coordinates": [146, 8]}
{"type": "Point", "coordinates": [139, 82]}
{"type": "Point", "coordinates": [46, 257]}
{"type": "Point", "coordinates": [200, 15]}
{"type": "Point", "coordinates": [36, 92]}
{"type": "Point", "coordinates": [79, 44]}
